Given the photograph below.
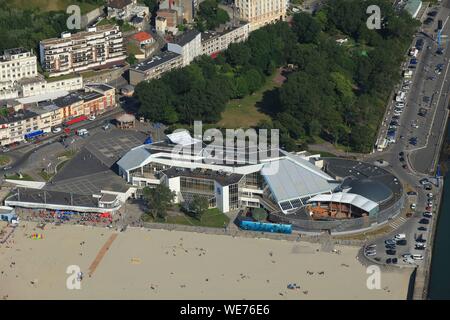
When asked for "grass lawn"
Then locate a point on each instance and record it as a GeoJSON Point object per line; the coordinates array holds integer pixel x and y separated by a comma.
{"type": "Point", "coordinates": [213, 218]}
{"type": "Point", "coordinates": [133, 49]}
{"type": "Point", "coordinates": [25, 177]}
{"type": "Point", "coordinates": [53, 5]}
{"type": "Point", "coordinates": [4, 160]}
{"type": "Point", "coordinates": [46, 176]}
{"type": "Point", "coordinates": [243, 113]}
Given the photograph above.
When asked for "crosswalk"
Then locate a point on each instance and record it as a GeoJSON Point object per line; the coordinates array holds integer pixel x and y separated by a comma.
{"type": "Point", "coordinates": [397, 223]}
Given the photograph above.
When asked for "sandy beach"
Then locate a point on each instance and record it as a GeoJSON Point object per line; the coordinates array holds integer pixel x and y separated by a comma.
{"type": "Point", "coordinates": [159, 264]}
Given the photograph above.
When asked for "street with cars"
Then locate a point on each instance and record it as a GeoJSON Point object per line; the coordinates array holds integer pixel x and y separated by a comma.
{"type": "Point", "coordinates": [413, 127]}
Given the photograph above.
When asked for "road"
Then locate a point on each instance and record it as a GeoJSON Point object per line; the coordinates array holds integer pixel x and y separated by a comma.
{"type": "Point", "coordinates": [419, 160]}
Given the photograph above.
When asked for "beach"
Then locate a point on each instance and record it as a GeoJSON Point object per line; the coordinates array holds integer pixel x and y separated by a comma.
{"type": "Point", "coordinates": [159, 264]}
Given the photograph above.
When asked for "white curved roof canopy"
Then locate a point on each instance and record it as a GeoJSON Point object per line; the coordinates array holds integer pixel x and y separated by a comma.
{"type": "Point", "coordinates": [349, 198]}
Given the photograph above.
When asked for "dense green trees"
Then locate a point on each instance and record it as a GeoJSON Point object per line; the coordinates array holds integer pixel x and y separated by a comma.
{"type": "Point", "coordinates": [337, 91]}
{"type": "Point", "coordinates": [210, 16]}
{"type": "Point", "coordinates": [25, 28]}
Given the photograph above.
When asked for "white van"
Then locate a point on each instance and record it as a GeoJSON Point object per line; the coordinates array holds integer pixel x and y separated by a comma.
{"type": "Point", "coordinates": [82, 132]}
{"type": "Point", "coordinates": [400, 236]}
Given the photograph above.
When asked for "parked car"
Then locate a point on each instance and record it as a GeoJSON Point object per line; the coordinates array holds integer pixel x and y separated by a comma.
{"type": "Point", "coordinates": [91, 117]}
{"type": "Point", "coordinates": [56, 130]}
{"type": "Point", "coordinates": [400, 236]}
{"type": "Point", "coordinates": [417, 257]}
{"type": "Point", "coordinates": [401, 242]}
{"type": "Point", "coordinates": [391, 252]}
{"type": "Point", "coordinates": [422, 228]}
{"type": "Point", "coordinates": [390, 241]}
{"type": "Point", "coordinates": [413, 206]}
{"type": "Point", "coordinates": [411, 193]}
{"type": "Point", "coordinates": [424, 221]}
{"type": "Point", "coordinates": [427, 214]}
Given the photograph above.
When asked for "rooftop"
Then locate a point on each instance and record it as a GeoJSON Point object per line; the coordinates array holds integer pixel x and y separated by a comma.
{"type": "Point", "coordinates": [186, 37]}
{"type": "Point", "coordinates": [156, 61]}
{"type": "Point", "coordinates": [80, 35]}
{"type": "Point", "coordinates": [142, 36]}
{"type": "Point", "coordinates": [207, 35]}
{"type": "Point", "coordinates": [224, 178]}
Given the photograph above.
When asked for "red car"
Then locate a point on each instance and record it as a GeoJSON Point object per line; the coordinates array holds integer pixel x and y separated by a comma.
{"type": "Point", "coordinates": [428, 209]}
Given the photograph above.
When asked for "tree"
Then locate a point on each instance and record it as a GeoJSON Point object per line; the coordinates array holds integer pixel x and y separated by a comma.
{"type": "Point", "coordinates": [131, 59]}
{"type": "Point", "coordinates": [156, 100]}
{"type": "Point", "coordinates": [210, 16]}
{"type": "Point", "coordinates": [259, 214]}
{"type": "Point", "coordinates": [158, 199]}
{"type": "Point", "coordinates": [306, 27]}
{"type": "Point", "coordinates": [199, 206]}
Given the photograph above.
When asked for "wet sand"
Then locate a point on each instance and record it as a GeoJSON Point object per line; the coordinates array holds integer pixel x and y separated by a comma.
{"type": "Point", "coordinates": [159, 264]}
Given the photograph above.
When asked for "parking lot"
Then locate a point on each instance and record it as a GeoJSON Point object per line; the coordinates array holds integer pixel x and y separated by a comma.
{"type": "Point", "coordinates": [405, 246]}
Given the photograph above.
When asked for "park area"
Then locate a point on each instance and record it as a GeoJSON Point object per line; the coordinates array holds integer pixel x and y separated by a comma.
{"type": "Point", "coordinates": [213, 218]}
{"type": "Point", "coordinates": [248, 111]}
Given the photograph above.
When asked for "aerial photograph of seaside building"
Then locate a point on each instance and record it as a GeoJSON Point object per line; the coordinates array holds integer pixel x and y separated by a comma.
{"type": "Point", "coordinates": [224, 150]}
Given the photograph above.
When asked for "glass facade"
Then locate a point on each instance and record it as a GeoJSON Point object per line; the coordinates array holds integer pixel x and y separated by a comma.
{"type": "Point", "coordinates": [194, 185]}
{"type": "Point", "coordinates": [254, 180]}
{"type": "Point", "coordinates": [234, 196]}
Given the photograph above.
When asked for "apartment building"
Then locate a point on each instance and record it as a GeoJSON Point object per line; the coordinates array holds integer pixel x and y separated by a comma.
{"type": "Point", "coordinates": [16, 64]}
{"type": "Point", "coordinates": [20, 121]}
{"type": "Point", "coordinates": [214, 42]}
{"type": "Point", "coordinates": [261, 12]}
{"type": "Point", "coordinates": [189, 46]}
{"type": "Point", "coordinates": [155, 67]}
{"type": "Point", "coordinates": [38, 85]}
{"type": "Point", "coordinates": [29, 87]}
{"type": "Point", "coordinates": [96, 47]}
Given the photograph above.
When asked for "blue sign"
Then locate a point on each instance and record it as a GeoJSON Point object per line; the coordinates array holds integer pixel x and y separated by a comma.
{"type": "Point", "coordinates": [266, 227]}
{"type": "Point", "coordinates": [34, 134]}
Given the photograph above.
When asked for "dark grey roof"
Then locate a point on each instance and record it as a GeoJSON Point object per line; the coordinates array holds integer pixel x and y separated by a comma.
{"type": "Point", "coordinates": [224, 179]}
{"type": "Point", "coordinates": [156, 61]}
{"type": "Point", "coordinates": [370, 189]}
{"type": "Point", "coordinates": [18, 116]}
{"type": "Point", "coordinates": [187, 37]}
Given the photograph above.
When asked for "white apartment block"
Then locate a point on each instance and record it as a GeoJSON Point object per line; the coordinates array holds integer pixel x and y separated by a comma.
{"type": "Point", "coordinates": [261, 12]}
{"type": "Point", "coordinates": [98, 46]}
{"type": "Point", "coordinates": [16, 64]}
{"type": "Point", "coordinates": [189, 46]}
{"type": "Point", "coordinates": [214, 42]}
{"type": "Point", "coordinates": [38, 85]}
